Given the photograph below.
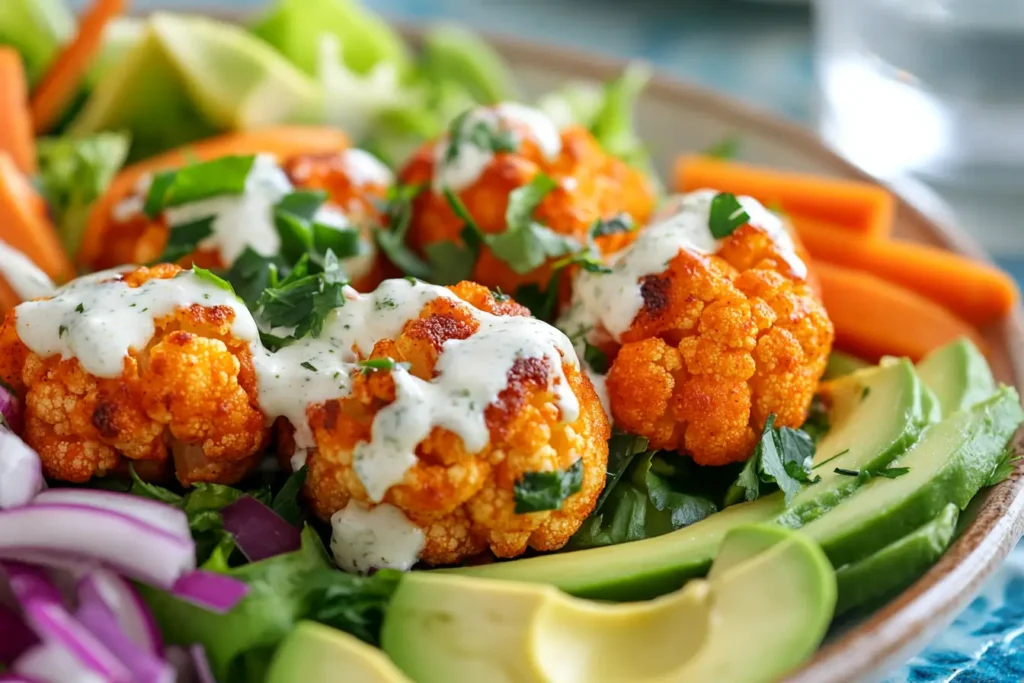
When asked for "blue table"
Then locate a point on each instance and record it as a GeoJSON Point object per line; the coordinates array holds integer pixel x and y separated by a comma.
{"type": "Point", "coordinates": [760, 53]}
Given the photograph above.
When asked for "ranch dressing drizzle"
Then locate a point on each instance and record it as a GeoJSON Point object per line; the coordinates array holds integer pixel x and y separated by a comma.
{"type": "Point", "coordinates": [364, 538]}
{"type": "Point", "coordinates": [23, 276]}
{"type": "Point", "coordinates": [469, 375]}
{"type": "Point", "coordinates": [608, 302]}
{"type": "Point", "coordinates": [469, 160]}
{"type": "Point", "coordinates": [99, 319]}
{"type": "Point", "coordinates": [363, 168]}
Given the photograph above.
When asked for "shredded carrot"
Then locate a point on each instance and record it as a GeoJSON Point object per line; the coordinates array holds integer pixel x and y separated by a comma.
{"type": "Point", "coordinates": [280, 141]}
{"type": "Point", "coordinates": [861, 208]}
{"type": "Point", "coordinates": [64, 76]}
{"type": "Point", "coordinates": [875, 318]}
{"type": "Point", "coordinates": [974, 291]}
{"type": "Point", "coordinates": [16, 137]}
{"type": "Point", "coordinates": [24, 225]}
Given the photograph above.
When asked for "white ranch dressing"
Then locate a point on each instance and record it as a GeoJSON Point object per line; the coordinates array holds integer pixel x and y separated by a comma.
{"type": "Point", "coordinates": [364, 538]}
{"type": "Point", "coordinates": [240, 221]}
{"type": "Point", "coordinates": [98, 319]}
{"type": "Point", "coordinates": [609, 302]}
{"type": "Point", "coordinates": [363, 168]}
{"type": "Point", "coordinates": [470, 161]}
{"type": "Point", "coordinates": [23, 276]}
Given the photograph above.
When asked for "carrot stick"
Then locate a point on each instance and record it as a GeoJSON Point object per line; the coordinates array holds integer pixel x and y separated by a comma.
{"type": "Point", "coordinates": [24, 225]}
{"type": "Point", "coordinates": [860, 208]}
{"type": "Point", "coordinates": [16, 136]}
{"type": "Point", "coordinates": [875, 318]}
{"type": "Point", "coordinates": [974, 291]}
{"type": "Point", "coordinates": [280, 141]}
{"type": "Point", "coordinates": [62, 79]}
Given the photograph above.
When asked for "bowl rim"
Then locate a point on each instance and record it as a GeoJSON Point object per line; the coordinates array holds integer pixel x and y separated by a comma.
{"type": "Point", "coordinates": [903, 625]}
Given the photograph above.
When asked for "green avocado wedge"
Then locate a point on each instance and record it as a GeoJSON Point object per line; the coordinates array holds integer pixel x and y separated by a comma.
{"type": "Point", "coordinates": [876, 414]}
{"type": "Point", "coordinates": [841, 364]}
{"type": "Point", "coordinates": [890, 398]}
{"type": "Point", "coordinates": [313, 653]}
{"type": "Point", "coordinates": [774, 592]}
{"type": "Point", "coordinates": [951, 463]}
{"type": "Point", "coordinates": [879, 576]}
{"type": "Point", "coordinates": [958, 374]}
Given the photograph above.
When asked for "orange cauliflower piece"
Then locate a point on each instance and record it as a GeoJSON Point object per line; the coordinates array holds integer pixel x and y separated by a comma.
{"type": "Point", "coordinates": [721, 341]}
{"type": "Point", "coordinates": [189, 398]}
{"type": "Point", "coordinates": [356, 184]}
{"type": "Point", "coordinates": [591, 185]}
{"type": "Point", "coordinates": [463, 501]}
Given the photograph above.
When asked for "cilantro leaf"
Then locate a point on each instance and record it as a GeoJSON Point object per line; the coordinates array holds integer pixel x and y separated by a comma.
{"type": "Point", "coordinates": [726, 215]}
{"type": "Point", "coordinates": [302, 229]}
{"type": "Point", "coordinates": [249, 275]}
{"type": "Point", "coordinates": [450, 262]}
{"type": "Point", "coordinates": [543, 303]}
{"type": "Point", "coordinates": [223, 176]}
{"type": "Point", "coordinates": [526, 244]}
{"type": "Point", "coordinates": [783, 456]}
{"type": "Point", "coordinates": [183, 239]}
{"type": "Point", "coordinates": [537, 491]}
{"type": "Point", "coordinates": [622, 222]}
{"type": "Point", "coordinates": [391, 240]}
{"type": "Point", "coordinates": [303, 300]}
{"type": "Point", "coordinates": [213, 279]}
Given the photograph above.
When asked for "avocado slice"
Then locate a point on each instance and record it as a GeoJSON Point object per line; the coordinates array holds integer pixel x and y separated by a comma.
{"type": "Point", "coordinates": [876, 414]}
{"type": "Point", "coordinates": [36, 29]}
{"type": "Point", "coordinates": [775, 595]}
{"type": "Point", "coordinates": [313, 653]}
{"type": "Point", "coordinates": [889, 398]}
{"type": "Point", "coordinates": [950, 463]}
{"type": "Point", "coordinates": [958, 374]}
{"type": "Point", "coordinates": [841, 364]}
{"type": "Point", "coordinates": [879, 576]}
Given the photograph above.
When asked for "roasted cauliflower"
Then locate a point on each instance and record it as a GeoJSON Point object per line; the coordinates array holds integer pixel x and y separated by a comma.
{"type": "Point", "coordinates": [489, 153]}
{"type": "Point", "coordinates": [143, 367]}
{"type": "Point", "coordinates": [356, 184]}
{"type": "Point", "coordinates": [707, 336]}
{"type": "Point", "coordinates": [469, 401]}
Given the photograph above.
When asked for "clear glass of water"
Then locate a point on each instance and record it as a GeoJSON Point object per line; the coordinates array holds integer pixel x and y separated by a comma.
{"type": "Point", "coordinates": [931, 88]}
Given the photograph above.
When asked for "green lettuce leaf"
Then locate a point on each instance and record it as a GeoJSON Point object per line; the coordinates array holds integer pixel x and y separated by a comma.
{"type": "Point", "coordinates": [36, 29]}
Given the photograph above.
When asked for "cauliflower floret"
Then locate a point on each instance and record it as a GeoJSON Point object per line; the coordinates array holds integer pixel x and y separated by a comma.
{"type": "Point", "coordinates": [189, 396]}
{"type": "Point", "coordinates": [591, 185]}
{"type": "Point", "coordinates": [463, 500]}
{"type": "Point", "coordinates": [356, 184]}
{"type": "Point", "coordinates": [705, 347]}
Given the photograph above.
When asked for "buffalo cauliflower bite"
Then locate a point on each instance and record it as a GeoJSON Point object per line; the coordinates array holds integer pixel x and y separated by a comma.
{"type": "Point", "coordinates": [356, 184]}
{"type": "Point", "coordinates": [492, 151]}
{"type": "Point", "coordinates": [151, 366]}
{"type": "Point", "coordinates": [708, 337]}
{"type": "Point", "coordinates": [459, 398]}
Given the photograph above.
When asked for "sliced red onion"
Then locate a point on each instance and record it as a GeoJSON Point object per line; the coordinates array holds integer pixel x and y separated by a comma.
{"type": "Point", "coordinates": [152, 512]}
{"type": "Point", "coordinates": [15, 635]}
{"type": "Point", "coordinates": [51, 663]}
{"type": "Point", "coordinates": [215, 592]}
{"type": "Point", "coordinates": [10, 409]}
{"type": "Point", "coordinates": [120, 598]}
{"type": "Point", "coordinates": [21, 471]}
{"type": "Point", "coordinates": [17, 678]}
{"type": "Point", "coordinates": [145, 667]}
{"type": "Point", "coordinates": [133, 548]}
{"type": "Point", "coordinates": [259, 532]}
{"type": "Point", "coordinates": [201, 662]}
{"type": "Point", "coordinates": [55, 626]}
{"type": "Point", "coordinates": [31, 583]}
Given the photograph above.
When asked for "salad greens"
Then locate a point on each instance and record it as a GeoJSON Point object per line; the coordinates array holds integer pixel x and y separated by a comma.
{"type": "Point", "coordinates": [783, 457]}
{"type": "Point", "coordinates": [539, 491]}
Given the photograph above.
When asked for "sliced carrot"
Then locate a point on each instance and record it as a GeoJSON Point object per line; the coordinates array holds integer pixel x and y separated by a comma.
{"type": "Point", "coordinates": [974, 291]}
{"type": "Point", "coordinates": [280, 141]}
{"type": "Point", "coordinates": [24, 225]}
{"type": "Point", "coordinates": [875, 318]}
{"type": "Point", "coordinates": [64, 76]}
{"type": "Point", "coordinates": [861, 208]}
{"type": "Point", "coordinates": [16, 137]}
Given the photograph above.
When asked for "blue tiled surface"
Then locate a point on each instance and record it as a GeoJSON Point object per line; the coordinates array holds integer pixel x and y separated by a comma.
{"type": "Point", "coordinates": [760, 54]}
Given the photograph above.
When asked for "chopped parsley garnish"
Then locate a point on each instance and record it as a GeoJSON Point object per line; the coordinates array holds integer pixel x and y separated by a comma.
{"type": "Point", "coordinates": [250, 274]}
{"type": "Point", "coordinates": [538, 491]}
{"type": "Point", "coordinates": [726, 215]}
{"type": "Point", "coordinates": [80, 308]}
{"type": "Point", "coordinates": [391, 240]}
{"type": "Point", "coordinates": [62, 330]}
{"type": "Point", "coordinates": [309, 366]}
{"type": "Point", "coordinates": [485, 135]}
{"type": "Point", "coordinates": [783, 456]}
{"type": "Point", "coordinates": [526, 244]}
{"type": "Point", "coordinates": [301, 232]}
{"type": "Point", "coordinates": [183, 239]}
{"type": "Point", "coordinates": [216, 281]}
{"type": "Point", "coordinates": [884, 471]}
{"type": "Point", "coordinates": [224, 176]}
{"type": "Point", "coordinates": [865, 393]}
{"type": "Point", "coordinates": [381, 364]}
{"type": "Point", "coordinates": [623, 222]}
{"type": "Point", "coordinates": [303, 300]}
